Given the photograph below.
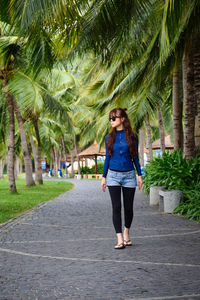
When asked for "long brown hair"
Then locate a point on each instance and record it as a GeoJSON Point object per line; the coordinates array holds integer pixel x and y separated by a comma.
{"type": "Point", "coordinates": [130, 135]}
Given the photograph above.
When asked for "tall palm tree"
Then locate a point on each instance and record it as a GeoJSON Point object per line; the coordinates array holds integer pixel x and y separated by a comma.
{"type": "Point", "coordinates": [26, 154]}
{"type": "Point", "coordinates": [141, 146]}
{"type": "Point", "coordinates": [179, 36]}
{"type": "Point", "coordinates": [11, 135]}
{"type": "Point", "coordinates": [168, 25]}
{"type": "Point", "coordinates": [178, 20]}
{"type": "Point", "coordinates": [149, 139]}
{"type": "Point", "coordinates": [189, 105]}
{"type": "Point", "coordinates": [9, 55]}
{"type": "Point", "coordinates": [3, 154]}
{"type": "Point", "coordinates": [3, 132]}
{"type": "Point", "coordinates": [33, 99]}
{"type": "Point", "coordinates": [161, 127]}
{"type": "Point", "coordinates": [177, 110]}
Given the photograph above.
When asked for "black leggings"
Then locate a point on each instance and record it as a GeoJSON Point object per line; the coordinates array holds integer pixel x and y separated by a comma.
{"type": "Point", "coordinates": [128, 198]}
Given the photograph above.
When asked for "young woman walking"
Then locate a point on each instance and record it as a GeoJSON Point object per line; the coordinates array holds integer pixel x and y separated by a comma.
{"type": "Point", "coordinates": [121, 152]}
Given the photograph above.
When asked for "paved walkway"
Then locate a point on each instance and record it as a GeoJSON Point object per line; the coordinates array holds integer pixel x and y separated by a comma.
{"type": "Point", "coordinates": [65, 250]}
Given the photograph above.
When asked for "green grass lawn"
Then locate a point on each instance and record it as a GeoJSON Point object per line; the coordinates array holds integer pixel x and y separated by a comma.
{"type": "Point", "coordinates": [27, 197]}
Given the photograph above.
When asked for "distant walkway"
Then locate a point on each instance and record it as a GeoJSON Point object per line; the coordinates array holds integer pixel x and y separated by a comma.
{"type": "Point", "coordinates": [65, 250]}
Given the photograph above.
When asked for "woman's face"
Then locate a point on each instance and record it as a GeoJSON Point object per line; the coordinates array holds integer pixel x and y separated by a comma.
{"type": "Point", "coordinates": [116, 121]}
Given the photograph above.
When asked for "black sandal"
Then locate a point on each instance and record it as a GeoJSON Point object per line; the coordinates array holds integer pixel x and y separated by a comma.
{"type": "Point", "coordinates": [127, 243]}
{"type": "Point", "coordinates": [120, 246]}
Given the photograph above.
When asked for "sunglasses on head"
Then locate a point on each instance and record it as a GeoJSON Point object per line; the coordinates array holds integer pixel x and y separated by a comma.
{"type": "Point", "coordinates": [114, 118]}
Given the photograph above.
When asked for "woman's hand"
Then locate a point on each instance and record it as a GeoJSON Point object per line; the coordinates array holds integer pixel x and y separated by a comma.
{"type": "Point", "coordinates": [103, 184]}
{"type": "Point", "coordinates": [140, 182]}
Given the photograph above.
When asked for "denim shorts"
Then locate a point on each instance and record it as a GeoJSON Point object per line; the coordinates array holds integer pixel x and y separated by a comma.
{"type": "Point", "coordinates": [126, 179]}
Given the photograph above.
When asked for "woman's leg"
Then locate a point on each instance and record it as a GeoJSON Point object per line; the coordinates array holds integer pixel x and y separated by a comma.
{"type": "Point", "coordinates": [128, 198]}
{"type": "Point", "coordinates": [115, 195]}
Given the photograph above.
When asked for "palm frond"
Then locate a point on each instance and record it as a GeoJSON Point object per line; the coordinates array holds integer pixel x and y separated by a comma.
{"type": "Point", "coordinates": [27, 92]}
{"type": "Point", "coordinates": [176, 16]}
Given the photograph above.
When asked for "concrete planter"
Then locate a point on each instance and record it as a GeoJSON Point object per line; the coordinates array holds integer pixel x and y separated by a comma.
{"type": "Point", "coordinates": [170, 200]}
{"type": "Point", "coordinates": [154, 194]}
{"type": "Point", "coordinates": [78, 176]}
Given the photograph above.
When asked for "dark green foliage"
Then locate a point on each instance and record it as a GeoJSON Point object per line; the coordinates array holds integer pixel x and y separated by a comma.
{"type": "Point", "coordinates": [99, 168]}
{"type": "Point", "coordinates": [86, 170]}
{"type": "Point", "coordinates": [174, 172]}
{"type": "Point", "coordinates": [190, 207]}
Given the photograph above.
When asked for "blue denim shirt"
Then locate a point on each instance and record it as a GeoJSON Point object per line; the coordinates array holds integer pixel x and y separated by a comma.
{"type": "Point", "coordinates": [121, 159]}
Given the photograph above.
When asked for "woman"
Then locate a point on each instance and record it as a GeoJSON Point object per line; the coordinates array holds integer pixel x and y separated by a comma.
{"type": "Point", "coordinates": [121, 153]}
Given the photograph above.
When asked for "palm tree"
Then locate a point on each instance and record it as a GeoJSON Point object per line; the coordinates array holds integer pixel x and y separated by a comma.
{"type": "Point", "coordinates": [1, 168]}
{"type": "Point", "coordinates": [168, 24]}
{"type": "Point", "coordinates": [33, 99]}
{"type": "Point", "coordinates": [11, 135]}
{"type": "Point", "coordinates": [9, 52]}
{"type": "Point", "coordinates": [197, 78]}
{"type": "Point", "coordinates": [141, 146]}
{"type": "Point", "coordinates": [3, 132]}
{"type": "Point", "coordinates": [38, 171]}
{"type": "Point", "coordinates": [26, 154]}
{"type": "Point", "coordinates": [161, 127]}
{"type": "Point", "coordinates": [36, 54]}
{"type": "Point", "coordinates": [177, 110]}
{"type": "Point", "coordinates": [189, 105]}
{"type": "Point", "coordinates": [178, 20]}
{"type": "Point", "coordinates": [149, 139]}
{"type": "Point", "coordinates": [3, 154]}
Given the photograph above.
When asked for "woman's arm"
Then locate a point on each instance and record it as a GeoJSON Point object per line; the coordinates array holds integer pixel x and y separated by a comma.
{"type": "Point", "coordinates": [106, 162]}
{"type": "Point", "coordinates": [137, 166]}
{"type": "Point", "coordinates": [105, 168]}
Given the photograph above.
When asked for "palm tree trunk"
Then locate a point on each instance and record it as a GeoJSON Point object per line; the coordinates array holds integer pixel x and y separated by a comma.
{"type": "Point", "coordinates": [161, 128]}
{"type": "Point", "coordinates": [11, 140]}
{"type": "Point", "coordinates": [55, 152]}
{"type": "Point", "coordinates": [189, 105]}
{"type": "Point", "coordinates": [149, 140]}
{"type": "Point", "coordinates": [26, 154]}
{"type": "Point", "coordinates": [1, 168]}
{"type": "Point", "coordinates": [177, 107]}
{"type": "Point", "coordinates": [197, 90]}
{"type": "Point", "coordinates": [78, 160]}
{"type": "Point", "coordinates": [72, 158]}
{"type": "Point", "coordinates": [16, 167]}
{"type": "Point", "coordinates": [34, 155]}
{"type": "Point", "coordinates": [37, 175]}
{"type": "Point", "coordinates": [39, 152]}
{"type": "Point", "coordinates": [52, 161]}
{"type": "Point", "coordinates": [63, 148]}
{"type": "Point", "coordinates": [58, 159]}
{"type": "Point", "coordinates": [64, 153]}
{"type": "Point", "coordinates": [141, 147]}
{"type": "Point", "coordinates": [55, 168]}
{"type": "Point", "coordinates": [197, 135]}
{"type": "Point", "coordinates": [20, 167]}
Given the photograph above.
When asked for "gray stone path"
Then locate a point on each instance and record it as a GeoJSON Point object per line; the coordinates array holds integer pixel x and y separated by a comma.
{"type": "Point", "coordinates": [65, 250]}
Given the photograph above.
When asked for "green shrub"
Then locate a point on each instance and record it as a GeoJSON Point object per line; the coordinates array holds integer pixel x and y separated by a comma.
{"type": "Point", "coordinates": [99, 168]}
{"type": "Point", "coordinates": [174, 172]}
{"type": "Point", "coordinates": [190, 207]}
{"type": "Point", "coordinates": [86, 170]}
